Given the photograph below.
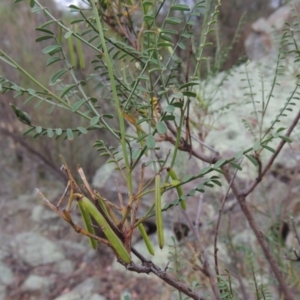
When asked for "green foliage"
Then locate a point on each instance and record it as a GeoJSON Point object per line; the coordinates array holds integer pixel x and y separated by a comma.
{"type": "Point", "coordinates": [261, 290]}
{"type": "Point", "coordinates": [138, 80]}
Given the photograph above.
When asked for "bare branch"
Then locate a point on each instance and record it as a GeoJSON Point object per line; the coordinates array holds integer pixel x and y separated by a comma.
{"type": "Point", "coordinates": [219, 221]}
{"type": "Point", "coordinates": [260, 237]}
{"type": "Point", "coordinates": [273, 157]}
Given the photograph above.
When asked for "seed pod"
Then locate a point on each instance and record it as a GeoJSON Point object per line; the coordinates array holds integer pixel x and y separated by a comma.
{"type": "Point", "coordinates": [146, 238]}
{"type": "Point", "coordinates": [178, 188]}
{"type": "Point", "coordinates": [158, 212]}
{"type": "Point", "coordinates": [87, 224]}
{"type": "Point", "coordinates": [114, 240]}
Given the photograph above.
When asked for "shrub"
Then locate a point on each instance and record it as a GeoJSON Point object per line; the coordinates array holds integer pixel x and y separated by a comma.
{"type": "Point", "coordinates": [150, 65]}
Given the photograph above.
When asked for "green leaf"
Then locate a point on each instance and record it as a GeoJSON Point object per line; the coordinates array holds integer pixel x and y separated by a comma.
{"type": "Point", "coordinates": [44, 30]}
{"type": "Point", "coordinates": [220, 163]}
{"type": "Point", "coordinates": [239, 154]}
{"type": "Point", "coordinates": [172, 20]}
{"type": "Point", "coordinates": [256, 146]}
{"type": "Point", "coordinates": [36, 9]}
{"type": "Point", "coordinates": [170, 109]}
{"type": "Point", "coordinates": [57, 75]}
{"type": "Point", "coordinates": [38, 129]}
{"type": "Point", "coordinates": [47, 23]}
{"type": "Point", "coordinates": [50, 48]}
{"type": "Point", "coordinates": [181, 7]}
{"type": "Point", "coordinates": [31, 91]}
{"type": "Point", "coordinates": [77, 21]}
{"type": "Point", "coordinates": [70, 134]}
{"type": "Point", "coordinates": [136, 154]}
{"type": "Point", "coordinates": [269, 148]}
{"type": "Point", "coordinates": [235, 165]}
{"type": "Point", "coordinates": [205, 170]}
{"type": "Point", "coordinates": [141, 138]}
{"type": "Point", "coordinates": [252, 159]}
{"type": "Point", "coordinates": [74, 7]}
{"type": "Point", "coordinates": [187, 178]}
{"type": "Point", "coordinates": [43, 38]}
{"type": "Point", "coordinates": [177, 96]}
{"type": "Point", "coordinates": [67, 90]}
{"type": "Point", "coordinates": [164, 44]}
{"type": "Point", "coordinates": [169, 31]}
{"type": "Point", "coordinates": [200, 188]}
{"type": "Point", "coordinates": [189, 84]}
{"type": "Point", "coordinates": [141, 121]}
{"type": "Point", "coordinates": [161, 127]}
{"type": "Point", "coordinates": [217, 182]}
{"type": "Point", "coordinates": [52, 60]}
{"type": "Point", "coordinates": [49, 132]}
{"type": "Point", "coordinates": [68, 34]}
{"type": "Point", "coordinates": [82, 130]}
{"type": "Point", "coordinates": [108, 116]}
{"type": "Point", "coordinates": [27, 131]}
{"type": "Point", "coordinates": [150, 141]}
{"type": "Point", "coordinates": [181, 45]}
{"type": "Point", "coordinates": [280, 129]}
{"type": "Point", "coordinates": [77, 105]}
{"type": "Point", "coordinates": [148, 18]}
{"type": "Point", "coordinates": [94, 120]}
{"type": "Point", "coordinates": [285, 138]}
{"type": "Point", "coordinates": [58, 131]}
{"type": "Point", "coordinates": [189, 94]}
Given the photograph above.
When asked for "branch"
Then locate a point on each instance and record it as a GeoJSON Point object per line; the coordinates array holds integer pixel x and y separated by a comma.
{"type": "Point", "coordinates": [273, 157]}
{"type": "Point", "coordinates": [149, 267]}
{"type": "Point", "coordinates": [241, 198]}
{"type": "Point", "coordinates": [219, 221]}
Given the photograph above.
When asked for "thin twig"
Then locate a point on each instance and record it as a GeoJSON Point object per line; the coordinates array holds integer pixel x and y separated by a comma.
{"type": "Point", "coordinates": [202, 143]}
{"type": "Point", "coordinates": [219, 221]}
{"type": "Point", "coordinates": [273, 157]}
{"type": "Point", "coordinates": [150, 267]}
{"type": "Point", "coordinates": [295, 230]}
{"type": "Point", "coordinates": [199, 209]}
{"type": "Point", "coordinates": [260, 237]}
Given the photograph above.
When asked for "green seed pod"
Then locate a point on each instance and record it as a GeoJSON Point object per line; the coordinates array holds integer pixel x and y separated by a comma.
{"type": "Point", "coordinates": [158, 212]}
{"type": "Point", "coordinates": [146, 238]}
{"type": "Point", "coordinates": [114, 240]}
{"type": "Point", "coordinates": [178, 187]}
{"type": "Point", "coordinates": [87, 224]}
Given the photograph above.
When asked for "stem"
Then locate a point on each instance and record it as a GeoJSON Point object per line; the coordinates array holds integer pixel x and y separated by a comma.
{"type": "Point", "coordinates": [115, 96]}
{"type": "Point", "coordinates": [260, 237]}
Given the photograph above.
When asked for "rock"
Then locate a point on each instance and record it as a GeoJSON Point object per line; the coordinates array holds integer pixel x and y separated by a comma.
{"type": "Point", "coordinates": [6, 278]}
{"type": "Point", "coordinates": [244, 238]}
{"type": "Point", "coordinates": [124, 294]}
{"type": "Point", "coordinates": [4, 242]}
{"type": "Point", "coordinates": [73, 248]}
{"type": "Point", "coordinates": [35, 250]}
{"type": "Point", "coordinates": [83, 291]}
{"type": "Point", "coordinates": [2, 293]}
{"type": "Point", "coordinates": [97, 297]}
{"type": "Point", "coordinates": [42, 213]}
{"type": "Point", "coordinates": [160, 258]}
{"type": "Point", "coordinates": [6, 275]}
{"type": "Point", "coordinates": [261, 43]}
{"type": "Point", "coordinates": [36, 283]}
{"type": "Point", "coordinates": [64, 267]}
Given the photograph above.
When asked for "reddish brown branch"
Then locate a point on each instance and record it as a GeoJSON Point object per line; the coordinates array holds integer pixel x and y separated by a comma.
{"type": "Point", "coordinates": [149, 267]}
{"type": "Point", "coordinates": [273, 157]}
{"type": "Point", "coordinates": [260, 237]}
